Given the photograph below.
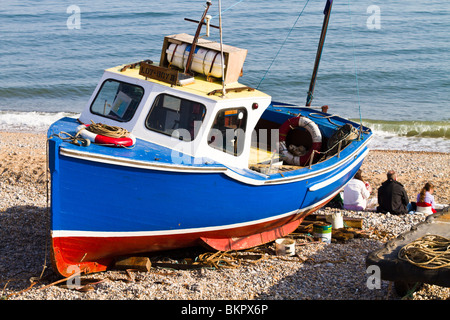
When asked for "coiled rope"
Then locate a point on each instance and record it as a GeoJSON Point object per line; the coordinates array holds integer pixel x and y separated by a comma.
{"type": "Point", "coordinates": [429, 252]}
{"type": "Point", "coordinates": [107, 130]}
{"type": "Point", "coordinates": [97, 128]}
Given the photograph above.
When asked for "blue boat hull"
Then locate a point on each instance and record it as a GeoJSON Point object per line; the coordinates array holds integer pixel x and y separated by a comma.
{"type": "Point", "coordinates": [108, 202]}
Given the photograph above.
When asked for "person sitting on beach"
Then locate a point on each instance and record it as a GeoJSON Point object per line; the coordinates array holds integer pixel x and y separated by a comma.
{"type": "Point", "coordinates": [425, 200]}
{"type": "Point", "coordinates": [392, 196]}
{"type": "Point", "coordinates": [357, 193]}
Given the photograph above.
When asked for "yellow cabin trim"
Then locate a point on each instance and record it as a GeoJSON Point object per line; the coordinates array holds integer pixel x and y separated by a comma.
{"type": "Point", "coordinates": [200, 87]}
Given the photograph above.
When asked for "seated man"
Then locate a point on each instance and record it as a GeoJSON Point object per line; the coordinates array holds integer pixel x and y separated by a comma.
{"type": "Point", "coordinates": [392, 196]}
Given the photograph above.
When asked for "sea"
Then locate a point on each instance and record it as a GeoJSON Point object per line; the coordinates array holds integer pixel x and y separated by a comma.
{"type": "Point", "coordinates": [384, 63]}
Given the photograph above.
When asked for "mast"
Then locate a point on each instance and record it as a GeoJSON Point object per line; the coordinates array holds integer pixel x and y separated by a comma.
{"type": "Point", "coordinates": [197, 34]}
{"type": "Point", "coordinates": [326, 12]}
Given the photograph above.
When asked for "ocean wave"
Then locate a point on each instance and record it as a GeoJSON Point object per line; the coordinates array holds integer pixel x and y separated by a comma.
{"type": "Point", "coordinates": [422, 129]}
{"type": "Point", "coordinates": [30, 121]}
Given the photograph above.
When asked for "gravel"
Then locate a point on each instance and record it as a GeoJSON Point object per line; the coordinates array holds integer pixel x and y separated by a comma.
{"type": "Point", "coordinates": [318, 271]}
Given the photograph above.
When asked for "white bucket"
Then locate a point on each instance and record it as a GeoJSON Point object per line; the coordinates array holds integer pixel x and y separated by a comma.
{"type": "Point", "coordinates": [337, 221]}
{"type": "Point", "coordinates": [285, 247]}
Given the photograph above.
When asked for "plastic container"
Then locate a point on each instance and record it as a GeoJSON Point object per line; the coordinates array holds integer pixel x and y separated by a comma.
{"type": "Point", "coordinates": [175, 55]}
{"type": "Point", "coordinates": [202, 59]}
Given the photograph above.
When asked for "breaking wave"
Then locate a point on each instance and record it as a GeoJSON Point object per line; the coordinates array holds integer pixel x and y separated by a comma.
{"type": "Point", "coordinates": [423, 129]}
{"type": "Point", "coordinates": [30, 121]}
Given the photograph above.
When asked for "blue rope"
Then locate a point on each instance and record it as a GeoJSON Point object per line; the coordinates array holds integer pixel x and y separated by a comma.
{"type": "Point", "coordinates": [279, 50]}
{"type": "Point", "coordinates": [229, 8]}
{"type": "Point", "coordinates": [354, 61]}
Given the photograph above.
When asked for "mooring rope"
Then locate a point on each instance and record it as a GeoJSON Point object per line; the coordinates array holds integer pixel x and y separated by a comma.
{"type": "Point", "coordinates": [227, 259]}
{"type": "Point", "coordinates": [76, 139]}
{"type": "Point", "coordinates": [236, 3]}
{"type": "Point", "coordinates": [282, 45]}
{"type": "Point", "coordinates": [429, 252]}
{"type": "Point", "coordinates": [355, 65]}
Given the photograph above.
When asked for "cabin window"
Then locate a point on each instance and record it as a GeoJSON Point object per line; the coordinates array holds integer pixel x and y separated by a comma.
{"type": "Point", "coordinates": [228, 131]}
{"type": "Point", "coordinates": [176, 117]}
{"type": "Point", "coordinates": [117, 100]}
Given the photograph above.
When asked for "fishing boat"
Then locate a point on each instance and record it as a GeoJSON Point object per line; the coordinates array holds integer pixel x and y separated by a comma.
{"type": "Point", "coordinates": [179, 153]}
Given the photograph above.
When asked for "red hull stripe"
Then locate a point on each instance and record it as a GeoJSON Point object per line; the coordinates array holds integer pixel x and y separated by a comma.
{"type": "Point", "coordinates": [95, 254]}
{"type": "Point", "coordinates": [106, 234]}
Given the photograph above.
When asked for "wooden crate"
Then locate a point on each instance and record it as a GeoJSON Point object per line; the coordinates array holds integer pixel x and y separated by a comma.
{"type": "Point", "coordinates": [234, 57]}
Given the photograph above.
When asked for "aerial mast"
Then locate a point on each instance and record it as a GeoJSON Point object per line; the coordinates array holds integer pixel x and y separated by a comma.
{"type": "Point", "coordinates": [326, 12]}
{"type": "Point", "coordinates": [197, 34]}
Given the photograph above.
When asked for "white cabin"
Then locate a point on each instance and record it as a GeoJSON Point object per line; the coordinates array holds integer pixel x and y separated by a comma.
{"type": "Point", "coordinates": [194, 119]}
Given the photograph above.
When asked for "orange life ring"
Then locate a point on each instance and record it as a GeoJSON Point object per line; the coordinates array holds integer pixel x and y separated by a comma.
{"type": "Point", "coordinates": [104, 140]}
{"type": "Point", "coordinates": [313, 130]}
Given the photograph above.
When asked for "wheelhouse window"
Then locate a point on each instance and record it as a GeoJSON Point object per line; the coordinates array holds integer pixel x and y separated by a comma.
{"type": "Point", "coordinates": [228, 131]}
{"type": "Point", "coordinates": [117, 100]}
{"type": "Point", "coordinates": [176, 117]}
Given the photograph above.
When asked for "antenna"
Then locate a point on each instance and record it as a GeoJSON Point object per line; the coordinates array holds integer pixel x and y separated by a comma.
{"type": "Point", "coordinates": [208, 20]}
{"type": "Point", "coordinates": [197, 34]}
{"type": "Point", "coordinates": [224, 91]}
{"type": "Point", "coordinates": [326, 18]}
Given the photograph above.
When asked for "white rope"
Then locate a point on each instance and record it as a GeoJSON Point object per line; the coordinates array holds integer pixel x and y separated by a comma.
{"type": "Point", "coordinates": [221, 49]}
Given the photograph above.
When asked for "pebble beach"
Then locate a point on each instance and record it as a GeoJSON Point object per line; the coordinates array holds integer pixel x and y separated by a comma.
{"type": "Point", "coordinates": [318, 271]}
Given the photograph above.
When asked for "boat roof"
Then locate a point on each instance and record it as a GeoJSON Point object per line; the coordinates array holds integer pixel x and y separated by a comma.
{"type": "Point", "coordinates": [200, 87]}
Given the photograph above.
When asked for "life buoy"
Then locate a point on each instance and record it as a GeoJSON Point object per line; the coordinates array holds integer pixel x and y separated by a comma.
{"type": "Point", "coordinates": [101, 139]}
{"type": "Point", "coordinates": [313, 130]}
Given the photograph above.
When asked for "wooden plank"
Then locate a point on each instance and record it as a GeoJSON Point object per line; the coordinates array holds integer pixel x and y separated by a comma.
{"type": "Point", "coordinates": [138, 263]}
{"type": "Point", "coordinates": [177, 266]}
{"type": "Point", "coordinates": [350, 222]}
{"type": "Point", "coordinates": [159, 73]}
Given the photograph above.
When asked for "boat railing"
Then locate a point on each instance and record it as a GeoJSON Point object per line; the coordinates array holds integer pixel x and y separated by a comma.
{"type": "Point", "coordinates": [325, 153]}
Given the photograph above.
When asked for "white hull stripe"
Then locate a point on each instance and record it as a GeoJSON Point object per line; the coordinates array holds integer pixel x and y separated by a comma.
{"type": "Point", "coordinates": [338, 176]}
{"type": "Point", "coordinates": [191, 169]}
{"type": "Point", "coordinates": [322, 171]}
{"type": "Point", "coordinates": [137, 163]}
{"type": "Point", "coordinates": [113, 234]}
